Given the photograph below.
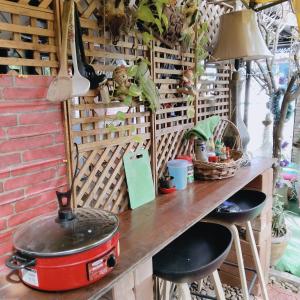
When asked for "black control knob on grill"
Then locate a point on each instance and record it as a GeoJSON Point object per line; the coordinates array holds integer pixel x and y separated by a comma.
{"type": "Point", "coordinates": [111, 261]}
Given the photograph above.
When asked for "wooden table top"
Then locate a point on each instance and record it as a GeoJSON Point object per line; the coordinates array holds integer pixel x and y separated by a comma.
{"type": "Point", "coordinates": [147, 229]}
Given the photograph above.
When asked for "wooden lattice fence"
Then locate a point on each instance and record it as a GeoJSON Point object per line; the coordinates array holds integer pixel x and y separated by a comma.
{"type": "Point", "coordinates": [29, 31]}
{"type": "Point", "coordinates": [101, 178]}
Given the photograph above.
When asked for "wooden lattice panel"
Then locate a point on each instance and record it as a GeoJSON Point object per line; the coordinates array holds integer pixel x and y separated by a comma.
{"type": "Point", "coordinates": [210, 14]}
{"type": "Point", "coordinates": [168, 67]}
{"type": "Point", "coordinates": [28, 34]}
{"type": "Point", "coordinates": [214, 93]}
{"type": "Point", "coordinates": [101, 178]}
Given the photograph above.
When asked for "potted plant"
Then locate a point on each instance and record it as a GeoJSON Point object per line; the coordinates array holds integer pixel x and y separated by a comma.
{"type": "Point", "coordinates": [280, 234]}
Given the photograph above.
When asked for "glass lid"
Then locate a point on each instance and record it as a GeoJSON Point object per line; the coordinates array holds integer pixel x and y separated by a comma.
{"type": "Point", "coordinates": [49, 236]}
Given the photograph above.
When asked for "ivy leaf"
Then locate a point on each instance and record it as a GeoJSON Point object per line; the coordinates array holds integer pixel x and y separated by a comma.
{"type": "Point", "coordinates": [137, 139]}
{"type": "Point", "coordinates": [145, 14]}
{"type": "Point", "coordinates": [131, 71]}
{"type": "Point", "coordinates": [159, 8]}
{"type": "Point", "coordinates": [165, 20]}
{"type": "Point", "coordinates": [112, 128]}
{"type": "Point", "coordinates": [158, 24]}
{"type": "Point", "coordinates": [128, 100]}
{"type": "Point", "coordinates": [191, 112]}
{"type": "Point", "coordinates": [120, 116]}
{"type": "Point", "coordinates": [134, 91]}
{"type": "Point", "coordinates": [147, 38]}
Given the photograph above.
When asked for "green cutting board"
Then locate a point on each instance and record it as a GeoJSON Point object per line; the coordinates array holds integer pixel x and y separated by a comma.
{"type": "Point", "coordinates": [139, 178]}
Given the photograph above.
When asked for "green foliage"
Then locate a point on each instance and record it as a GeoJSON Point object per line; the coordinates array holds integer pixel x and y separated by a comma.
{"type": "Point", "coordinates": [147, 38]}
{"type": "Point", "coordinates": [112, 128]}
{"type": "Point", "coordinates": [191, 109]}
{"type": "Point", "coordinates": [150, 13]}
{"type": "Point", "coordinates": [278, 221]}
{"type": "Point", "coordinates": [200, 50]}
{"type": "Point", "coordinates": [120, 115]}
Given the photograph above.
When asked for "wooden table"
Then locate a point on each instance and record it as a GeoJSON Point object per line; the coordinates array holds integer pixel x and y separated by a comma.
{"type": "Point", "coordinates": [144, 232]}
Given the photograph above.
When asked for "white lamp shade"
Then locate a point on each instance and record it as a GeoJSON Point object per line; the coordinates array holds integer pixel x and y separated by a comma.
{"type": "Point", "coordinates": [240, 38]}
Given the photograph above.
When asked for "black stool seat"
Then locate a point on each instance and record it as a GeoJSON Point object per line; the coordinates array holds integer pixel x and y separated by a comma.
{"type": "Point", "coordinates": [249, 204]}
{"type": "Point", "coordinates": [195, 254]}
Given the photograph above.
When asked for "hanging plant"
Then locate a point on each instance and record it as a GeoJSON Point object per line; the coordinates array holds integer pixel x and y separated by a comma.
{"type": "Point", "coordinates": [151, 19]}
{"type": "Point", "coordinates": [201, 46]}
{"type": "Point", "coordinates": [133, 84]}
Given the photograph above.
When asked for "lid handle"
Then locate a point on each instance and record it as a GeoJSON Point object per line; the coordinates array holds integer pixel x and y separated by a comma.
{"type": "Point", "coordinates": [65, 212]}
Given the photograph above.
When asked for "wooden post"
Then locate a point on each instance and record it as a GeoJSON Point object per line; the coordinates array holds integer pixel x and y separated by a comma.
{"type": "Point", "coordinates": [136, 285]}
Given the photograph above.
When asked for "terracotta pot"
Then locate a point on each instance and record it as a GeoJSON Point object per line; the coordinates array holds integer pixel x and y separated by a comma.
{"type": "Point", "coordinates": [278, 247]}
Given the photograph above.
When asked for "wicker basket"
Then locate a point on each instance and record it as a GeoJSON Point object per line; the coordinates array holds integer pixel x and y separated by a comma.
{"type": "Point", "coordinates": [212, 171]}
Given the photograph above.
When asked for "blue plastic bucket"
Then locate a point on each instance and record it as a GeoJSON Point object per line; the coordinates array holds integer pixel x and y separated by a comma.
{"type": "Point", "coordinates": [178, 169]}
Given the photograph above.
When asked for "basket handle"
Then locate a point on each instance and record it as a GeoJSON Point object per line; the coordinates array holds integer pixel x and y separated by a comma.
{"type": "Point", "coordinates": [238, 136]}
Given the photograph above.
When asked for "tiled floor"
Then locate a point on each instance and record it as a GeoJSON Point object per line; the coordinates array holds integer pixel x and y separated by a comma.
{"type": "Point", "coordinates": [278, 293]}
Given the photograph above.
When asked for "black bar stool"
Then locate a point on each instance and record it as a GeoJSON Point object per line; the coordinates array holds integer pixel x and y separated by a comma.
{"type": "Point", "coordinates": [241, 208]}
{"type": "Point", "coordinates": [194, 255]}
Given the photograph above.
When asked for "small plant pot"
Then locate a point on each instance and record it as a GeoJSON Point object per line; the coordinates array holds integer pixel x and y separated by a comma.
{"type": "Point", "coordinates": [166, 182]}
{"type": "Point", "coordinates": [278, 247]}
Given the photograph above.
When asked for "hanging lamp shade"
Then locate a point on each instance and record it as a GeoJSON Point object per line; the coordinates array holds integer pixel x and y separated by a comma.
{"type": "Point", "coordinates": [240, 38]}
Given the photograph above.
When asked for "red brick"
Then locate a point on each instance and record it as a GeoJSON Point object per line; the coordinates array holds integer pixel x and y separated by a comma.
{"type": "Point", "coordinates": [6, 121]}
{"type": "Point", "coordinates": [40, 118]}
{"type": "Point", "coordinates": [32, 202]}
{"type": "Point", "coordinates": [6, 80]}
{"type": "Point", "coordinates": [34, 167]}
{"type": "Point", "coordinates": [60, 138]}
{"type": "Point", "coordinates": [28, 106]}
{"type": "Point", "coordinates": [3, 224]}
{"type": "Point", "coordinates": [62, 171]}
{"type": "Point", "coordinates": [19, 144]}
{"type": "Point", "coordinates": [26, 180]}
{"type": "Point", "coordinates": [44, 153]}
{"type": "Point", "coordinates": [9, 160]}
{"type": "Point", "coordinates": [6, 248]}
{"type": "Point", "coordinates": [36, 81]}
{"type": "Point", "coordinates": [30, 214]}
{"type": "Point", "coordinates": [32, 130]}
{"type": "Point", "coordinates": [4, 174]}
{"type": "Point", "coordinates": [11, 196]}
{"type": "Point", "coordinates": [2, 133]}
{"type": "Point", "coordinates": [46, 186]}
{"type": "Point", "coordinates": [6, 210]}
{"type": "Point", "coordinates": [24, 93]}
{"type": "Point", "coordinates": [7, 235]}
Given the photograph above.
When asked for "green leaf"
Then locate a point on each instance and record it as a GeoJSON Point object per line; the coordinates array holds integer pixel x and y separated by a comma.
{"type": "Point", "coordinates": [145, 14]}
{"type": "Point", "coordinates": [131, 71]}
{"type": "Point", "coordinates": [134, 91]}
{"type": "Point", "coordinates": [132, 128]}
{"type": "Point", "coordinates": [137, 139]}
{"type": "Point", "coordinates": [120, 116]}
{"type": "Point", "coordinates": [112, 128]}
{"type": "Point", "coordinates": [159, 8]}
{"type": "Point", "coordinates": [191, 112]}
{"type": "Point", "coordinates": [128, 100]}
{"type": "Point", "coordinates": [158, 24]}
{"type": "Point", "coordinates": [147, 37]}
{"type": "Point", "coordinates": [165, 20]}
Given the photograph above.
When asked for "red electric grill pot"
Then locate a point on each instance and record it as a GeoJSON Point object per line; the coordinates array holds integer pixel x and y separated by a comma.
{"type": "Point", "coordinates": [66, 251]}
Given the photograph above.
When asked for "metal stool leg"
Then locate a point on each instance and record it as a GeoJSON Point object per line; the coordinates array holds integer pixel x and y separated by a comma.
{"type": "Point", "coordinates": [257, 262]}
{"type": "Point", "coordinates": [218, 285]}
{"type": "Point", "coordinates": [184, 291]}
{"type": "Point", "coordinates": [240, 260]}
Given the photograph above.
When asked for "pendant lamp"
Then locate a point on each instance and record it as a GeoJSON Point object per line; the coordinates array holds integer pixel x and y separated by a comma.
{"type": "Point", "coordinates": [239, 39]}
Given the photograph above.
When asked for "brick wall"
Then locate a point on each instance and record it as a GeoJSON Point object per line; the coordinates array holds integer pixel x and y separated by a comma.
{"type": "Point", "coordinates": [31, 154]}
